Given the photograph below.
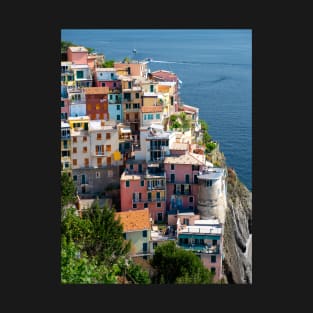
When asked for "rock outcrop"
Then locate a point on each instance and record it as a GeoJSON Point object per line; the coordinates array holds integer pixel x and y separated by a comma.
{"type": "Point", "coordinates": [237, 228]}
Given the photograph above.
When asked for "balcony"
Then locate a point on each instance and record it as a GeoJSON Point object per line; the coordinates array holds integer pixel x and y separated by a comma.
{"type": "Point", "coordinates": [161, 199]}
{"type": "Point", "coordinates": [201, 248]}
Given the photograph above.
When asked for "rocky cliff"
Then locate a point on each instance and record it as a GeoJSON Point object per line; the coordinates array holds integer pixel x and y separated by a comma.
{"type": "Point", "coordinates": [237, 228]}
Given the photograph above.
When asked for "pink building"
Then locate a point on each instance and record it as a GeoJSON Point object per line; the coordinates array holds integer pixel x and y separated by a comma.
{"type": "Point", "coordinates": [143, 185]}
{"type": "Point", "coordinates": [133, 68]}
{"type": "Point", "coordinates": [182, 182]}
{"type": "Point", "coordinates": [77, 55]}
{"type": "Point", "coordinates": [205, 238]}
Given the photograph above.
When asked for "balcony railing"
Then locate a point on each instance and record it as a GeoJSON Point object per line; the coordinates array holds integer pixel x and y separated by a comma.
{"type": "Point", "coordinates": [201, 248]}
{"type": "Point", "coordinates": [161, 199]}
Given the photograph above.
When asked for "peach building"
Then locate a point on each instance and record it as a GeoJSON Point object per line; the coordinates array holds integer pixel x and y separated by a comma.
{"type": "Point", "coordinates": [77, 55]}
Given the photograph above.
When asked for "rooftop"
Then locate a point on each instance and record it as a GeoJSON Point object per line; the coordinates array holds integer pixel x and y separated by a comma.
{"type": "Point", "coordinates": [188, 158]}
{"type": "Point", "coordinates": [179, 146]}
{"type": "Point", "coordinates": [201, 230]}
{"type": "Point", "coordinates": [150, 94]}
{"type": "Point", "coordinates": [211, 173]}
{"type": "Point", "coordinates": [78, 49]}
{"type": "Point", "coordinates": [96, 125]}
{"type": "Point", "coordinates": [105, 69]}
{"type": "Point", "coordinates": [135, 220]}
{"type": "Point", "coordinates": [75, 66]}
{"type": "Point", "coordinates": [64, 125]}
{"type": "Point", "coordinates": [207, 222]}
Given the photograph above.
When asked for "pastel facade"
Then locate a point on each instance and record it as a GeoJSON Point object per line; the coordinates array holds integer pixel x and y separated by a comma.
{"type": "Point", "coordinates": [204, 238]}
{"type": "Point", "coordinates": [77, 55]}
{"type": "Point", "coordinates": [82, 75]}
{"type": "Point", "coordinates": [115, 106]}
{"type": "Point", "coordinates": [97, 103]}
{"type": "Point", "coordinates": [67, 74]}
{"type": "Point", "coordinates": [77, 102]}
{"type": "Point", "coordinates": [66, 165]}
{"type": "Point", "coordinates": [137, 229]}
{"type": "Point", "coordinates": [65, 104]}
{"type": "Point", "coordinates": [133, 68]}
{"type": "Point", "coordinates": [151, 115]}
{"type": "Point", "coordinates": [182, 180]}
{"type": "Point", "coordinates": [142, 186]}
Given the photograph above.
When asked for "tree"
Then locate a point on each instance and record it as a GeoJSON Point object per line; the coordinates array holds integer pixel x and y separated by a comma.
{"type": "Point", "coordinates": [175, 265]}
{"type": "Point", "coordinates": [108, 63]}
{"type": "Point", "coordinates": [77, 268]}
{"type": "Point", "coordinates": [98, 233]}
{"type": "Point", "coordinates": [185, 121]}
{"type": "Point", "coordinates": [204, 126]}
{"type": "Point", "coordinates": [126, 60]}
{"type": "Point", "coordinates": [68, 190]}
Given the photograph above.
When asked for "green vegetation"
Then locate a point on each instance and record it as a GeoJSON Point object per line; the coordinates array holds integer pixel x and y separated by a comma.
{"type": "Point", "coordinates": [93, 249]}
{"type": "Point", "coordinates": [180, 121]}
{"type": "Point", "coordinates": [108, 63]}
{"type": "Point", "coordinates": [206, 138]}
{"type": "Point", "coordinates": [126, 60]}
{"type": "Point", "coordinates": [68, 190]}
{"type": "Point", "coordinates": [175, 265]}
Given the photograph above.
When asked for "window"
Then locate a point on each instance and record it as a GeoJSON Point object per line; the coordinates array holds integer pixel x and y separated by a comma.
{"type": "Point", "coordinates": [62, 104]}
{"type": "Point", "coordinates": [124, 235]}
{"type": "Point", "coordinates": [110, 173]}
{"type": "Point", "coordinates": [195, 167]}
{"type": "Point", "coordinates": [136, 105]}
{"type": "Point", "coordinates": [209, 183]}
{"type": "Point", "coordinates": [99, 149]}
{"type": "Point", "coordinates": [118, 107]}
{"type": "Point", "coordinates": [80, 74]}
{"type": "Point", "coordinates": [151, 88]}
{"type": "Point", "coordinates": [108, 148]}
{"type": "Point", "coordinates": [97, 174]}
{"type": "Point", "coordinates": [213, 270]}
{"type": "Point", "coordinates": [157, 116]}
{"type": "Point", "coordinates": [63, 116]}
{"type": "Point", "coordinates": [98, 106]}
{"type": "Point", "coordinates": [144, 233]}
{"type": "Point", "coordinates": [127, 183]}
{"type": "Point", "coordinates": [85, 150]}
{"type": "Point", "coordinates": [160, 216]}
{"type": "Point", "coordinates": [214, 242]}
{"type": "Point", "coordinates": [65, 144]}
{"type": "Point", "coordinates": [187, 178]}
{"type": "Point", "coordinates": [65, 153]}
{"type": "Point", "coordinates": [75, 139]}
{"type": "Point", "coordinates": [108, 136]}
{"type": "Point", "coordinates": [186, 221]}
{"type": "Point", "coordinates": [74, 177]}
{"type": "Point", "coordinates": [195, 178]}
{"type": "Point", "coordinates": [83, 179]}
{"type": "Point", "coordinates": [129, 84]}
{"type": "Point", "coordinates": [190, 199]}
{"type": "Point", "coordinates": [142, 183]}
{"type": "Point", "coordinates": [99, 163]}
{"type": "Point", "coordinates": [137, 95]}
{"type": "Point", "coordinates": [144, 247]}
{"type": "Point", "coordinates": [118, 117]}
{"type": "Point", "coordinates": [86, 162]}
{"type": "Point", "coordinates": [172, 167]}
{"type": "Point", "coordinates": [172, 178]}
{"type": "Point", "coordinates": [158, 204]}
{"type": "Point", "coordinates": [158, 195]}
{"type": "Point", "coordinates": [134, 206]}
{"type": "Point", "coordinates": [74, 162]}
{"type": "Point", "coordinates": [110, 97]}
{"type": "Point", "coordinates": [213, 258]}
{"type": "Point", "coordinates": [66, 165]}
{"type": "Point", "coordinates": [103, 84]}
{"type": "Point", "coordinates": [84, 138]}
{"type": "Point", "coordinates": [99, 136]}
{"type": "Point", "coordinates": [109, 160]}
{"type": "Point", "coordinates": [145, 205]}
{"type": "Point", "coordinates": [149, 196]}
{"type": "Point", "coordinates": [114, 84]}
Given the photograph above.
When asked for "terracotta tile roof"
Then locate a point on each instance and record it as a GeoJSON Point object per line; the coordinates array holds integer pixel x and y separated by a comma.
{"type": "Point", "coordinates": [96, 90]}
{"type": "Point", "coordinates": [151, 109]}
{"type": "Point", "coordinates": [165, 75]}
{"type": "Point", "coordinates": [134, 220]}
{"type": "Point", "coordinates": [188, 158]}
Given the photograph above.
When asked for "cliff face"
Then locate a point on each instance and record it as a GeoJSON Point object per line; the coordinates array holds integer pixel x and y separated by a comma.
{"type": "Point", "coordinates": [237, 228]}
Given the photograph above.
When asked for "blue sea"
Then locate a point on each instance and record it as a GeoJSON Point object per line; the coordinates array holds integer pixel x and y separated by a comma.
{"type": "Point", "coordinates": [215, 67]}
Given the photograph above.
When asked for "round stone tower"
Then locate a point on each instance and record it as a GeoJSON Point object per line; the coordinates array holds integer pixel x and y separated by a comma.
{"type": "Point", "coordinates": [212, 194]}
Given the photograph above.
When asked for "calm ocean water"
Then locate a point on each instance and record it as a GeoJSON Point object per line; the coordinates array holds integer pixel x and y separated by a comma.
{"type": "Point", "coordinates": [215, 66]}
